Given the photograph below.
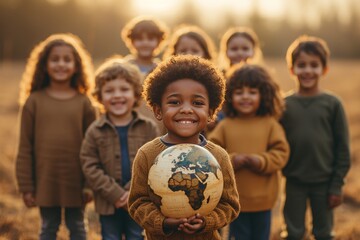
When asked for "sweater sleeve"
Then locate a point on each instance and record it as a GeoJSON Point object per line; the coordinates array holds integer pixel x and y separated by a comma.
{"type": "Point", "coordinates": [228, 207]}
{"type": "Point", "coordinates": [217, 135]}
{"type": "Point", "coordinates": [89, 114]}
{"type": "Point", "coordinates": [277, 153]}
{"type": "Point", "coordinates": [341, 150]}
{"type": "Point", "coordinates": [141, 208]}
{"type": "Point", "coordinates": [25, 162]}
{"type": "Point", "coordinates": [97, 179]}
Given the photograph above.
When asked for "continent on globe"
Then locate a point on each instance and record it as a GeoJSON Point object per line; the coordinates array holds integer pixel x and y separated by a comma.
{"type": "Point", "coordinates": [185, 179]}
{"type": "Point", "coordinates": [191, 185]}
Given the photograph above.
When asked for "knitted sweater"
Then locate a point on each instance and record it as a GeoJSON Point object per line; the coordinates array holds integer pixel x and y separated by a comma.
{"type": "Point", "coordinates": [50, 139]}
{"type": "Point", "coordinates": [317, 131]}
{"type": "Point", "coordinates": [148, 215]}
{"type": "Point", "coordinates": [264, 138]}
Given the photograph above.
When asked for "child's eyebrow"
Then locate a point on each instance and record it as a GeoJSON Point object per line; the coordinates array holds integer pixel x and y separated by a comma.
{"type": "Point", "coordinates": [179, 95]}
{"type": "Point", "coordinates": [173, 95]}
{"type": "Point", "coordinates": [199, 96]}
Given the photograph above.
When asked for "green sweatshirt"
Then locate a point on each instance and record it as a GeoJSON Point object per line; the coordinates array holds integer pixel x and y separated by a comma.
{"type": "Point", "coordinates": [317, 131]}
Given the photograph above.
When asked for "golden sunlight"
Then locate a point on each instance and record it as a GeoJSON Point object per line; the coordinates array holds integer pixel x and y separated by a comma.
{"type": "Point", "coordinates": [57, 2]}
{"type": "Point", "coordinates": [165, 8]}
{"type": "Point", "coordinates": [272, 9]}
{"type": "Point", "coordinates": [214, 14]}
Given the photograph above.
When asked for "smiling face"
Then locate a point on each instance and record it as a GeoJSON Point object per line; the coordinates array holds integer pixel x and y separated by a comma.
{"type": "Point", "coordinates": [118, 99]}
{"type": "Point", "coordinates": [246, 101]}
{"type": "Point", "coordinates": [184, 111]}
{"type": "Point", "coordinates": [188, 45]}
{"type": "Point", "coordinates": [61, 64]}
{"type": "Point", "coordinates": [239, 49]}
{"type": "Point", "coordinates": [145, 46]}
{"type": "Point", "coordinates": [308, 70]}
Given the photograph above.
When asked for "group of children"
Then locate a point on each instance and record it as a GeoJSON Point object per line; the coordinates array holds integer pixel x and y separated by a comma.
{"type": "Point", "coordinates": [70, 155]}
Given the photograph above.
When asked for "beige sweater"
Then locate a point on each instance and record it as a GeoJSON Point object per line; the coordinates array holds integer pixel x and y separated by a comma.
{"type": "Point", "coordinates": [148, 215]}
{"type": "Point", "coordinates": [48, 161]}
{"type": "Point", "coordinates": [265, 138]}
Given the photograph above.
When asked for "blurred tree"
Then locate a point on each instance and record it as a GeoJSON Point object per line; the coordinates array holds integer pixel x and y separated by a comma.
{"type": "Point", "coordinates": [24, 23]}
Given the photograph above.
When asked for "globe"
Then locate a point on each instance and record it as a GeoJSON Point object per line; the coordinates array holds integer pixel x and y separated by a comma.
{"type": "Point", "coordinates": [185, 179]}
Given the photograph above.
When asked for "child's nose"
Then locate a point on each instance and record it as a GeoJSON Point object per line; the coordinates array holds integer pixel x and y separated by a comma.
{"type": "Point", "coordinates": [117, 93]}
{"type": "Point", "coordinates": [186, 108]}
{"type": "Point", "coordinates": [308, 69]}
{"type": "Point", "coordinates": [245, 95]}
{"type": "Point", "coordinates": [62, 62]}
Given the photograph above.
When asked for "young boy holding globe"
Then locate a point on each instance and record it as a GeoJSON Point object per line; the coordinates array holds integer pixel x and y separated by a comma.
{"type": "Point", "coordinates": [185, 92]}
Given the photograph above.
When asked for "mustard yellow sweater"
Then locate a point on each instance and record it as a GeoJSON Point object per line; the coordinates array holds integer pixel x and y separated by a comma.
{"type": "Point", "coordinates": [148, 215]}
{"type": "Point", "coordinates": [264, 138]}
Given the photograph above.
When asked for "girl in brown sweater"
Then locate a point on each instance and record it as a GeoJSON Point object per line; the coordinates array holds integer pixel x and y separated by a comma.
{"type": "Point", "coordinates": [54, 116]}
{"type": "Point", "coordinates": [256, 144]}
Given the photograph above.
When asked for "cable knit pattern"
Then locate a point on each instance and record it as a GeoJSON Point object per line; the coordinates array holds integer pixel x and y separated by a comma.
{"type": "Point", "coordinates": [148, 215]}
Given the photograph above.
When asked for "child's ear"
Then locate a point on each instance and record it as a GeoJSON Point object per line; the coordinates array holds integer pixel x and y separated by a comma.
{"type": "Point", "coordinates": [157, 112]}
{"type": "Point", "coordinates": [325, 70]}
{"type": "Point", "coordinates": [292, 70]}
{"type": "Point", "coordinates": [211, 115]}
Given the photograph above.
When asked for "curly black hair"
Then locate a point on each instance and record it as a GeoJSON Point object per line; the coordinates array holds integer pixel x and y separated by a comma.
{"type": "Point", "coordinates": [185, 67]}
{"type": "Point", "coordinates": [254, 76]}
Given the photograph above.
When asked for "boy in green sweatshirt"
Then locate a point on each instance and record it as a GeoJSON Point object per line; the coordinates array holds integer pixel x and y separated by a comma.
{"type": "Point", "coordinates": [316, 129]}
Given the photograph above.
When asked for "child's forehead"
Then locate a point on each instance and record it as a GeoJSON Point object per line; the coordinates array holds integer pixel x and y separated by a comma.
{"type": "Point", "coordinates": [118, 80]}
{"type": "Point", "coordinates": [62, 48]}
{"type": "Point", "coordinates": [240, 40]}
{"type": "Point", "coordinates": [308, 55]}
{"type": "Point", "coordinates": [145, 35]}
{"type": "Point", "coordinates": [186, 85]}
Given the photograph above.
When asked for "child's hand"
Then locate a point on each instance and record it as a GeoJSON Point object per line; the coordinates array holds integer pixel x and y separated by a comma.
{"type": "Point", "coordinates": [334, 200]}
{"type": "Point", "coordinates": [194, 224]}
{"type": "Point", "coordinates": [29, 199]}
{"type": "Point", "coordinates": [172, 224]}
{"type": "Point", "coordinates": [254, 163]}
{"type": "Point", "coordinates": [122, 201]}
{"type": "Point", "coordinates": [87, 196]}
{"type": "Point", "coordinates": [238, 161]}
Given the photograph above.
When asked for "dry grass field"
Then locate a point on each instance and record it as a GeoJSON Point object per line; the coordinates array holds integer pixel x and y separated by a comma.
{"type": "Point", "coordinates": [18, 222]}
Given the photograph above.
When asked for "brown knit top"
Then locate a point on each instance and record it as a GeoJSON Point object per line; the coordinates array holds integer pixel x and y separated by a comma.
{"type": "Point", "coordinates": [148, 215]}
{"type": "Point", "coordinates": [48, 161]}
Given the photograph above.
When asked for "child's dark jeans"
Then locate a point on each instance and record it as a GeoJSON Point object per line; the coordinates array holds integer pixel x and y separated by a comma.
{"type": "Point", "coordinates": [51, 220]}
{"type": "Point", "coordinates": [118, 224]}
{"type": "Point", "coordinates": [251, 226]}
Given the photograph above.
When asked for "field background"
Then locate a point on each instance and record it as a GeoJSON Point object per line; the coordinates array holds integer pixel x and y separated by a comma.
{"type": "Point", "coordinates": [18, 222]}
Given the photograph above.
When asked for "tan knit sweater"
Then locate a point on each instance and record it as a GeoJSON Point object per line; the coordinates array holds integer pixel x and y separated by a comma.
{"type": "Point", "coordinates": [48, 161]}
{"type": "Point", "coordinates": [148, 215]}
{"type": "Point", "coordinates": [265, 138]}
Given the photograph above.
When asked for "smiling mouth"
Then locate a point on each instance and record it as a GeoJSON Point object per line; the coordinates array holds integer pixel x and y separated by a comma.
{"type": "Point", "coordinates": [186, 121]}
{"type": "Point", "coordinates": [117, 103]}
{"type": "Point", "coordinates": [246, 104]}
{"type": "Point", "coordinates": [61, 72]}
